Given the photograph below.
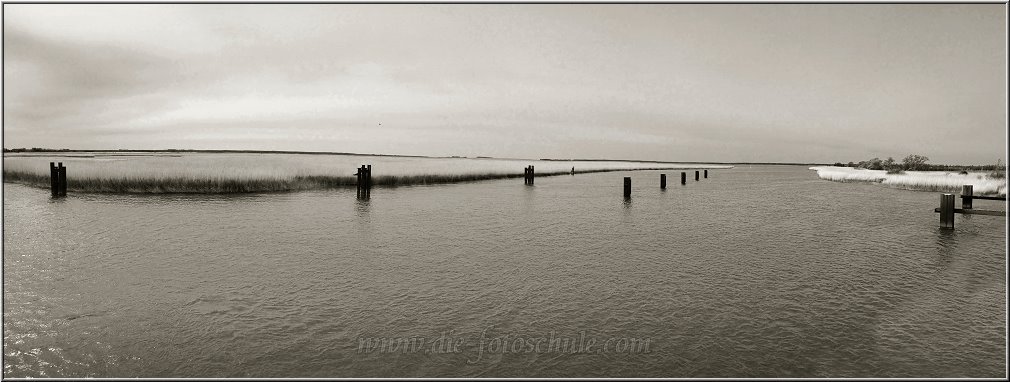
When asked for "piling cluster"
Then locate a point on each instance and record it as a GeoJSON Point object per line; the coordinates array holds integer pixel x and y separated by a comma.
{"type": "Point", "coordinates": [364, 182]}
{"type": "Point", "coordinates": [58, 179]}
{"type": "Point", "coordinates": [529, 174]}
{"type": "Point", "coordinates": [947, 209]}
{"type": "Point", "coordinates": [662, 181]}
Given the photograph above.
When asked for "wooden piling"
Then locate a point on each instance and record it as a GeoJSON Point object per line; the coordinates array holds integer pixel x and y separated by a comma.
{"type": "Point", "coordinates": [695, 175]}
{"type": "Point", "coordinates": [54, 179]}
{"type": "Point", "coordinates": [63, 180]}
{"type": "Point", "coordinates": [683, 178]}
{"type": "Point", "coordinates": [966, 196]}
{"type": "Point", "coordinates": [627, 187]}
{"type": "Point", "coordinates": [706, 174]}
{"type": "Point", "coordinates": [947, 210]}
{"type": "Point", "coordinates": [364, 182]}
{"type": "Point", "coordinates": [662, 181]}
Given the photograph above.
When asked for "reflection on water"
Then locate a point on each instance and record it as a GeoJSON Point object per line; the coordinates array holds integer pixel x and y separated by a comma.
{"type": "Point", "coordinates": [946, 246]}
{"type": "Point", "coordinates": [843, 280]}
{"type": "Point", "coordinates": [361, 207]}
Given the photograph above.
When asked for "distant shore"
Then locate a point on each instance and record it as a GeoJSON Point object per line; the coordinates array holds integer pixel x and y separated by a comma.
{"type": "Point", "coordinates": [57, 151]}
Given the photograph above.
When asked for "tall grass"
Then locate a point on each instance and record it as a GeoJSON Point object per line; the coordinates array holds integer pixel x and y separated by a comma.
{"type": "Point", "coordinates": [982, 184]}
{"type": "Point", "coordinates": [232, 173]}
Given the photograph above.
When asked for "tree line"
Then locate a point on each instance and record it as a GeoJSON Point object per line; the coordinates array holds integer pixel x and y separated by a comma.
{"type": "Point", "coordinates": [915, 162]}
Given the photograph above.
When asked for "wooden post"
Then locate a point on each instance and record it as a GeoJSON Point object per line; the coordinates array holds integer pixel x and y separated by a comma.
{"type": "Point", "coordinates": [683, 178]}
{"type": "Point", "coordinates": [368, 182]}
{"type": "Point", "coordinates": [947, 210]}
{"type": "Point", "coordinates": [54, 179]}
{"type": "Point", "coordinates": [966, 190]}
{"type": "Point", "coordinates": [63, 180]}
{"type": "Point", "coordinates": [533, 174]}
{"type": "Point", "coordinates": [695, 175]}
{"type": "Point", "coordinates": [662, 181]}
{"type": "Point", "coordinates": [706, 174]}
{"type": "Point", "coordinates": [627, 187]}
{"type": "Point", "coordinates": [526, 175]}
{"type": "Point", "coordinates": [573, 170]}
{"type": "Point", "coordinates": [361, 181]}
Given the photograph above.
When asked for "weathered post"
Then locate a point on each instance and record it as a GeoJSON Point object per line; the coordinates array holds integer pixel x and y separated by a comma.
{"type": "Point", "coordinates": [695, 175]}
{"type": "Point", "coordinates": [683, 178]}
{"type": "Point", "coordinates": [54, 179]}
{"type": "Point", "coordinates": [627, 187]}
{"type": "Point", "coordinates": [573, 170]}
{"type": "Point", "coordinates": [662, 181]}
{"type": "Point", "coordinates": [357, 183]}
{"type": "Point", "coordinates": [966, 193]}
{"type": "Point", "coordinates": [533, 174]}
{"type": "Point", "coordinates": [526, 175]}
{"type": "Point", "coordinates": [706, 174]}
{"type": "Point", "coordinates": [368, 182]}
{"type": "Point", "coordinates": [63, 180]}
{"type": "Point", "coordinates": [364, 181]}
{"type": "Point", "coordinates": [947, 210]}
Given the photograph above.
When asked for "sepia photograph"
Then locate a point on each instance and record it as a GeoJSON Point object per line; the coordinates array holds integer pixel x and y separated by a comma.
{"type": "Point", "coordinates": [476, 190]}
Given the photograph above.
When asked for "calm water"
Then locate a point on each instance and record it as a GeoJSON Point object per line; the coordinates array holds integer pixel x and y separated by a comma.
{"type": "Point", "coordinates": [756, 272]}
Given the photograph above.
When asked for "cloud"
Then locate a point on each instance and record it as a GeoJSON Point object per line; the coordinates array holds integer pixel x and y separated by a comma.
{"type": "Point", "coordinates": [56, 86]}
{"type": "Point", "coordinates": [667, 82]}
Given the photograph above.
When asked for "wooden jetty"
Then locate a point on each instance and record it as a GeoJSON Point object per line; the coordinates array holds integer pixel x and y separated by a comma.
{"type": "Point", "coordinates": [947, 209]}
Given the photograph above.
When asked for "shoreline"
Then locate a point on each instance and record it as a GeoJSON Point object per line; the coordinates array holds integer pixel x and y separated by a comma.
{"type": "Point", "coordinates": [197, 185]}
{"type": "Point", "coordinates": [942, 181]}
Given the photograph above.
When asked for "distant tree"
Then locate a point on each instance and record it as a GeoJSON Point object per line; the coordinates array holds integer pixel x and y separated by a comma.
{"type": "Point", "coordinates": [891, 166]}
{"type": "Point", "coordinates": [872, 164]}
{"type": "Point", "coordinates": [851, 164]}
{"type": "Point", "coordinates": [839, 164]}
{"type": "Point", "coordinates": [998, 171]}
{"type": "Point", "coordinates": [914, 162]}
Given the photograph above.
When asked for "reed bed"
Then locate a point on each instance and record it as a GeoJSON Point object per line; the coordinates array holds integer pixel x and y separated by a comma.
{"type": "Point", "coordinates": [238, 173]}
{"type": "Point", "coordinates": [942, 181]}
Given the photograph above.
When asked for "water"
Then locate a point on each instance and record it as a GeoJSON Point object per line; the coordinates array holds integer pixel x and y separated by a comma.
{"type": "Point", "coordinates": [763, 271]}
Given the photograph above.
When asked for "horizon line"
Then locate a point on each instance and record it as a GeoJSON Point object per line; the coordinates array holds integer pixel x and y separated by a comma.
{"type": "Point", "coordinates": [49, 150]}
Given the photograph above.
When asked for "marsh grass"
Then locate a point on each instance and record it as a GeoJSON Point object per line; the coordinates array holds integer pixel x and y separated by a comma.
{"type": "Point", "coordinates": [228, 173]}
{"type": "Point", "coordinates": [917, 180]}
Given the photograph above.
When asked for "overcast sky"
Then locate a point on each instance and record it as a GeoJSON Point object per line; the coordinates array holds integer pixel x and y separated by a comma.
{"type": "Point", "coordinates": [760, 82]}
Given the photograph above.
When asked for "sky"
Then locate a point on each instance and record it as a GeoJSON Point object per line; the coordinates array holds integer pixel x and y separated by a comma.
{"type": "Point", "coordinates": [669, 82]}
